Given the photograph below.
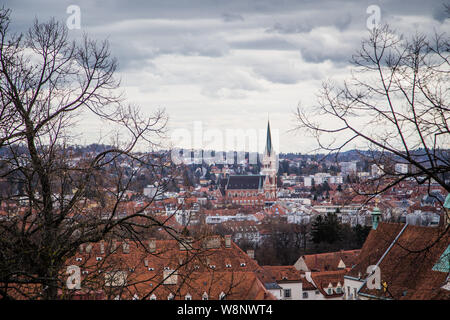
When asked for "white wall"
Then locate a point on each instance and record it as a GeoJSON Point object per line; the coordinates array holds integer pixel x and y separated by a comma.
{"type": "Point", "coordinates": [354, 287]}
{"type": "Point", "coordinates": [296, 290]}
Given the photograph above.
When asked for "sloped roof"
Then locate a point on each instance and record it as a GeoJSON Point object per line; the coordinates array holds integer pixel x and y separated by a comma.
{"type": "Point", "coordinates": [329, 261]}
{"type": "Point", "coordinates": [283, 273]}
{"type": "Point", "coordinates": [324, 278]}
{"type": "Point", "coordinates": [244, 182]}
{"type": "Point", "coordinates": [198, 270]}
{"type": "Point", "coordinates": [407, 268]}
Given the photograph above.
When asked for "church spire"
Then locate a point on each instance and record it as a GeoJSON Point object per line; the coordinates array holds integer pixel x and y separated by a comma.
{"type": "Point", "coordinates": [268, 140]}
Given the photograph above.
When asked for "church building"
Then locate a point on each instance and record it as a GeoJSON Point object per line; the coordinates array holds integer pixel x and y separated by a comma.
{"type": "Point", "coordinates": [254, 190]}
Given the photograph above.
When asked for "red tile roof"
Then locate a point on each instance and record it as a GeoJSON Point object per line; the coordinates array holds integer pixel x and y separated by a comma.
{"type": "Point", "coordinates": [406, 268]}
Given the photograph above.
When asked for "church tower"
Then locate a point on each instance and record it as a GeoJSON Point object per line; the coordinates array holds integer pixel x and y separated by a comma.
{"type": "Point", "coordinates": [269, 169]}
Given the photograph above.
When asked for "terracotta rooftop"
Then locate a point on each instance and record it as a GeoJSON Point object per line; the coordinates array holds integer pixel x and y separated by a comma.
{"type": "Point", "coordinates": [409, 268]}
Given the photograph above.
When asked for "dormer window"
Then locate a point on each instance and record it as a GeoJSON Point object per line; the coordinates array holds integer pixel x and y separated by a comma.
{"type": "Point", "coordinates": [205, 296]}
{"type": "Point", "coordinates": [338, 290]}
{"type": "Point", "coordinates": [78, 259]}
{"type": "Point", "coordinates": [151, 269]}
{"type": "Point", "coordinates": [243, 264]}
{"type": "Point", "coordinates": [222, 296]}
{"type": "Point", "coordinates": [166, 268]}
{"type": "Point", "coordinates": [330, 291]}
{"type": "Point", "coordinates": [98, 258]}
{"type": "Point", "coordinates": [170, 296]}
{"type": "Point", "coordinates": [212, 266]}
{"type": "Point", "coordinates": [188, 297]}
{"type": "Point", "coordinates": [228, 265]}
{"type": "Point", "coordinates": [85, 272]}
{"type": "Point", "coordinates": [196, 267]}
{"type": "Point", "coordinates": [153, 297]}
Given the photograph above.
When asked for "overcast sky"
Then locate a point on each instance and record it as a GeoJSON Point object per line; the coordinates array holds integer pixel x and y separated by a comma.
{"type": "Point", "coordinates": [231, 63]}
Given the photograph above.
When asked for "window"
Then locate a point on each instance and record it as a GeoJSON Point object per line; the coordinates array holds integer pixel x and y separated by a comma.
{"type": "Point", "coordinates": [79, 259]}
{"type": "Point", "coordinates": [222, 296]}
{"type": "Point", "coordinates": [153, 297]}
{"type": "Point", "coordinates": [170, 296]}
{"type": "Point", "coordinates": [205, 296]}
{"type": "Point", "coordinates": [305, 295]}
{"type": "Point", "coordinates": [287, 293]}
{"type": "Point", "coordinates": [242, 264]}
{"type": "Point", "coordinates": [212, 266]}
{"type": "Point", "coordinates": [151, 269]}
{"type": "Point", "coordinates": [228, 265]}
{"type": "Point", "coordinates": [99, 258]}
{"type": "Point", "coordinates": [330, 291]}
{"type": "Point", "coordinates": [188, 297]}
{"type": "Point", "coordinates": [338, 290]}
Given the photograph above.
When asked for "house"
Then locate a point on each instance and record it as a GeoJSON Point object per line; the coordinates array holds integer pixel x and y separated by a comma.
{"type": "Point", "coordinates": [286, 283]}
{"type": "Point", "coordinates": [330, 284]}
{"type": "Point", "coordinates": [413, 263]}
{"type": "Point", "coordinates": [288, 278]}
{"type": "Point", "coordinates": [330, 261]}
{"type": "Point", "coordinates": [212, 268]}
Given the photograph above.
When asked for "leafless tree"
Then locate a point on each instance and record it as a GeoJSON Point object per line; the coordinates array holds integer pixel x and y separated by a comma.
{"type": "Point", "coordinates": [47, 82]}
{"type": "Point", "coordinates": [395, 105]}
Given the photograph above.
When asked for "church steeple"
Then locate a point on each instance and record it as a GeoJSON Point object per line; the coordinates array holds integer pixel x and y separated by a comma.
{"type": "Point", "coordinates": [269, 168]}
{"type": "Point", "coordinates": [268, 149]}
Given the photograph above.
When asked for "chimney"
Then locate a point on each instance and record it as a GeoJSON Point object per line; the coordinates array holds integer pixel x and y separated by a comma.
{"type": "Point", "coordinates": [212, 242]}
{"type": "Point", "coordinates": [152, 245]}
{"type": "Point", "coordinates": [170, 277]}
{"type": "Point", "coordinates": [81, 248]}
{"type": "Point", "coordinates": [251, 254]}
{"type": "Point", "coordinates": [228, 241]}
{"type": "Point", "coordinates": [88, 248]}
{"type": "Point", "coordinates": [185, 244]}
{"type": "Point", "coordinates": [113, 246]}
{"type": "Point", "coordinates": [126, 247]}
{"type": "Point", "coordinates": [102, 247]}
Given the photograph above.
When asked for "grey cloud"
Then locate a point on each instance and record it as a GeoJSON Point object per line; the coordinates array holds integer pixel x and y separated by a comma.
{"type": "Point", "coordinates": [230, 17]}
{"type": "Point", "coordinates": [441, 13]}
{"type": "Point", "coordinates": [273, 43]}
